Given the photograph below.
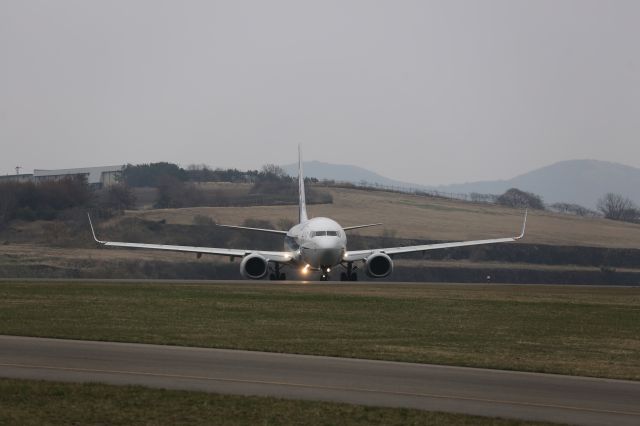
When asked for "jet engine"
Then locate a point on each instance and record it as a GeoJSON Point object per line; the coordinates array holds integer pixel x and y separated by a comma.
{"type": "Point", "coordinates": [378, 265]}
{"type": "Point", "coordinates": [254, 266]}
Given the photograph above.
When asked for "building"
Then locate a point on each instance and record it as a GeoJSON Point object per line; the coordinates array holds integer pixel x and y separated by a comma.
{"type": "Point", "coordinates": [22, 178]}
{"type": "Point", "coordinates": [97, 177]}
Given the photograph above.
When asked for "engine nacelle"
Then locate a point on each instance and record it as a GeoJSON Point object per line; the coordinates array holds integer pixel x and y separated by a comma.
{"type": "Point", "coordinates": [378, 265]}
{"type": "Point", "coordinates": [254, 266]}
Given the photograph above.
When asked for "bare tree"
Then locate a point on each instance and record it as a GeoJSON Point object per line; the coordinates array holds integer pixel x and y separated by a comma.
{"type": "Point", "coordinates": [274, 171]}
{"type": "Point", "coordinates": [520, 199]}
{"type": "Point", "coordinates": [173, 193]}
{"type": "Point", "coordinates": [616, 207]}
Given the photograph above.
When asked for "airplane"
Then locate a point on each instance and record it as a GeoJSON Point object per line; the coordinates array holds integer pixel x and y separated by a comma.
{"type": "Point", "coordinates": [315, 244]}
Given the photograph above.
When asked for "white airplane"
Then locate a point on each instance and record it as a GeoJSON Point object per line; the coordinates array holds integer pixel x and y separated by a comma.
{"type": "Point", "coordinates": [316, 244]}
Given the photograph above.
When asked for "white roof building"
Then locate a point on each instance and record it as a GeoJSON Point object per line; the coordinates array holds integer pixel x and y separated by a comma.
{"type": "Point", "coordinates": [96, 176]}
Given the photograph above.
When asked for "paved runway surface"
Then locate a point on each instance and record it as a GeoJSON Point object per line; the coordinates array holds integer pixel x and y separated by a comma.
{"type": "Point", "coordinates": [429, 387]}
{"type": "Point", "coordinates": [250, 283]}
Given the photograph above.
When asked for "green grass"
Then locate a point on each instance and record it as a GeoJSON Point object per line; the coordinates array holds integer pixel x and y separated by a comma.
{"type": "Point", "coordinates": [569, 330]}
{"type": "Point", "coordinates": [25, 402]}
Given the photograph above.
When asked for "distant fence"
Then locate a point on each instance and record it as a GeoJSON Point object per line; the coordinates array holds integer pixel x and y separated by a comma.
{"type": "Point", "coordinates": [472, 197]}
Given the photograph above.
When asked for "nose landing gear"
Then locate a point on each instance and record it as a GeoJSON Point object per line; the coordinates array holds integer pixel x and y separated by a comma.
{"type": "Point", "coordinates": [350, 275]}
{"type": "Point", "coordinates": [324, 273]}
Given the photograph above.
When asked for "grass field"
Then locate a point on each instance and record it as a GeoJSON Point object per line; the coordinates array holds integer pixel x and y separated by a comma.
{"type": "Point", "coordinates": [411, 216]}
{"type": "Point", "coordinates": [570, 330]}
{"type": "Point", "coordinates": [24, 402]}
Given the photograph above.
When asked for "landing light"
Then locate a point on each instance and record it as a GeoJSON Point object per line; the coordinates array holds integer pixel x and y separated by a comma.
{"type": "Point", "coordinates": [328, 269]}
{"type": "Point", "coordinates": [305, 270]}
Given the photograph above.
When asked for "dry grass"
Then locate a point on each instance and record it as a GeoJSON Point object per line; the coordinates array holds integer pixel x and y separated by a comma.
{"type": "Point", "coordinates": [419, 217]}
{"type": "Point", "coordinates": [55, 256]}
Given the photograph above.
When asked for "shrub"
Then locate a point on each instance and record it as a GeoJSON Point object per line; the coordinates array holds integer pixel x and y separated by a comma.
{"type": "Point", "coordinates": [28, 201]}
{"type": "Point", "coordinates": [152, 174]}
{"type": "Point", "coordinates": [520, 199]}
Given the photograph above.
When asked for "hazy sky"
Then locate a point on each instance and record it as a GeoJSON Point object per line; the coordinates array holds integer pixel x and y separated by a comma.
{"type": "Point", "coordinates": [425, 91]}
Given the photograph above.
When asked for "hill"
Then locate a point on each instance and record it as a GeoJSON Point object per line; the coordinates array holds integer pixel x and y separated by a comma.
{"type": "Point", "coordinates": [345, 173]}
{"type": "Point", "coordinates": [420, 217]}
{"type": "Point", "coordinates": [574, 181]}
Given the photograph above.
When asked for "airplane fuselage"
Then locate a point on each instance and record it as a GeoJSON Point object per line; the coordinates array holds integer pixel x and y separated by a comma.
{"type": "Point", "coordinates": [318, 243]}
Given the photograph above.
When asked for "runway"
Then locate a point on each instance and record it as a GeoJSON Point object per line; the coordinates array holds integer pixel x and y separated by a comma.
{"type": "Point", "coordinates": [429, 387]}
{"type": "Point", "coordinates": [253, 283]}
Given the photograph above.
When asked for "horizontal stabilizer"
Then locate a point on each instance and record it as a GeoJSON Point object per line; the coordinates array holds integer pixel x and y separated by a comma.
{"type": "Point", "coordinates": [271, 231]}
{"type": "Point", "coordinates": [348, 228]}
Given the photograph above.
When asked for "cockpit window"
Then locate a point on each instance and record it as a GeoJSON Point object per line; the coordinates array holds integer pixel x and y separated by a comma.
{"type": "Point", "coordinates": [324, 234]}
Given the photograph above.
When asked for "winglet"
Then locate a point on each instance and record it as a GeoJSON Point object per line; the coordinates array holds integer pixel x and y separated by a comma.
{"type": "Point", "coordinates": [93, 231]}
{"type": "Point", "coordinates": [524, 226]}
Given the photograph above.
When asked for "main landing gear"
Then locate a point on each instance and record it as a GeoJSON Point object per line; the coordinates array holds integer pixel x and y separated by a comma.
{"type": "Point", "coordinates": [350, 275]}
{"type": "Point", "coordinates": [276, 275]}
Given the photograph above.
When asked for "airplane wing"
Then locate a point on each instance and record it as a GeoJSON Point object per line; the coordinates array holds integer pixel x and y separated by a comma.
{"type": "Point", "coordinates": [274, 256]}
{"type": "Point", "coordinates": [351, 256]}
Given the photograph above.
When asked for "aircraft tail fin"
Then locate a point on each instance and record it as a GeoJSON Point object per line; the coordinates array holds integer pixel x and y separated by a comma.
{"type": "Point", "coordinates": [302, 204]}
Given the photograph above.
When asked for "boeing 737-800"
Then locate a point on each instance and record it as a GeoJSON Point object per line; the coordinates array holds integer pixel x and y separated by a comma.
{"type": "Point", "coordinates": [316, 244]}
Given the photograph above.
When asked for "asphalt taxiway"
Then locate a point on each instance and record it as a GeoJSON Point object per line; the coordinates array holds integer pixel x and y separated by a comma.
{"type": "Point", "coordinates": [253, 283]}
{"type": "Point", "coordinates": [557, 398]}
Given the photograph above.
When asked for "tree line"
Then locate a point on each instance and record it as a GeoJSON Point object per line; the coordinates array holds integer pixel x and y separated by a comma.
{"type": "Point", "coordinates": [176, 187]}
{"type": "Point", "coordinates": [156, 174]}
{"type": "Point", "coordinates": [611, 206]}
{"type": "Point", "coordinates": [50, 199]}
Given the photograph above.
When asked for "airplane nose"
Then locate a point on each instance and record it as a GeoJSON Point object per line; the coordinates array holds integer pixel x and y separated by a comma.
{"type": "Point", "coordinates": [328, 256]}
{"type": "Point", "coordinates": [326, 243]}
{"type": "Point", "coordinates": [325, 251]}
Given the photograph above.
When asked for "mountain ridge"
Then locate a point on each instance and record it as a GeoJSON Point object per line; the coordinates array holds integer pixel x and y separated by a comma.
{"type": "Point", "coordinates": [581, 181]}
